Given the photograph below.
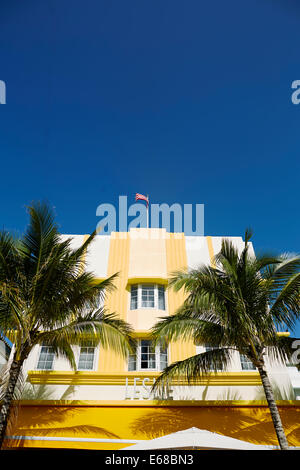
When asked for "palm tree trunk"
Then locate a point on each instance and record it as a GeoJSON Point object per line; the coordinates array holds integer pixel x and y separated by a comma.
{"type": "Point", "coordinates": [273, 407]}
{"type": "Point", "coordinates": [14, 373]}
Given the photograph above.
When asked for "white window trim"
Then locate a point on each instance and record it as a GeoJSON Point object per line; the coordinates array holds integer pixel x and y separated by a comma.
{"type": "Point", "coordinates": [38, 359]}
{"type": "Point", "coordinates": [235, 365]}
{"type": "Point", "coordinates": [77, 356]}
{"type": "Point", "coordinates": [139, 296]}
{"type": "Point", "coordinates": [202, 348]}
{"type": "Point", "coordinates": [157, 358]}
{"type": "Point", "coordinates": [95, 361]}
{"type": "Point", "coordinates": [248, 360]}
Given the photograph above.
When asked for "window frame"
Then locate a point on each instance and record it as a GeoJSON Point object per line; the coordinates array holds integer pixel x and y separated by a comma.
{"type": "Point", "coordinates": [39, 355]}
{"type": "Point", "coordinates": [95, 358]}
{"type": "Point", "coordinates": [246, 361]}
{"type": "Point", "coordinates": [134, 286]}
{"type": "Point", "coordinates": [139, 305]}
{"type": "Point", "coordinates": [210, 348]}
{"type": "Point", "coordinates": [138, 358]}
{"type": "Point", "coordinates": [203, 348]}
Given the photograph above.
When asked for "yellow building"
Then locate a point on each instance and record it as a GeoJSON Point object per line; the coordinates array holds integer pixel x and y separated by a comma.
{"type": "Point", "coordinates": [107, 403]}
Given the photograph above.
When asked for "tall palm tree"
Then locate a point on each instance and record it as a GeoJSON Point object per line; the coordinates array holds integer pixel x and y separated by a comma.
{"type": "Point", "coordinates": [47, 297]}
{"type": "Point", "coordinates": [237, 304]}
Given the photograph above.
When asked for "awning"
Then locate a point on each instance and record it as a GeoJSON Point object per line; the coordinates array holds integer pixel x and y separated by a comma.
{"type": "Point", "coordinates": [195, 438]}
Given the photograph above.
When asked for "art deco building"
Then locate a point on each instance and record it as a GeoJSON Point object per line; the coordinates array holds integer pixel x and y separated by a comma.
{"type": "Point", "coordinates": [107, 403]}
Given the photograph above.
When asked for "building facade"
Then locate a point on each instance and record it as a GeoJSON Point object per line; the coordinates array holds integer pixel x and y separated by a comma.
{"type": "Point", "coordinates": [108, 403]}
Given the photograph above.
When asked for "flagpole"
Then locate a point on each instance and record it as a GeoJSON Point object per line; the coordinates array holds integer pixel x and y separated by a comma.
{"type": "Point", "coordinates": [148, 212]}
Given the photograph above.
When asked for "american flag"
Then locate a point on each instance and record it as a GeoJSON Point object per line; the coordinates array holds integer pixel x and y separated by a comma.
{"type": "Point", "coordinates": [141, 197]}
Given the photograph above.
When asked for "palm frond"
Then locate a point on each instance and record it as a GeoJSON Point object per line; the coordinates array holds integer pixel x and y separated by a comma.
{"type": "Point", "coordinates": [188, 324]}
{"type": "Point", "coordinates": [48, 297]}
{"type": "Point", "coordinates": [286, 307]}
{"type": "Point", "coordinates": [41, 234]}
{"type": "Point", "coordinates": [97, 327]}
{"type": "Point", "coordinates": [9, 262]}
{"type": "Point", "coordinates": [283, 349]}
{"type": "Point", "coordinates": [193, 368]}
{"type": "Point", "coordinates": [228, 256]}
{"type": "Point", "coordinates": [286, 266]}
{"type": "Point", "coordinates": [248, 235]}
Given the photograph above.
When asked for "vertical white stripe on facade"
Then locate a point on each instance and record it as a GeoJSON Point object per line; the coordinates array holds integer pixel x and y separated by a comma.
{"type": "Point", "coordinates": [196, 251]}
{"type": "Point", "coordinates": [97, 256]}
{"type": "Point", "coordinates": [237, 242]}
{"type": "Point", "coordinates": [76, 240]}
{"type": "Point", "coordinates": [97, 253]}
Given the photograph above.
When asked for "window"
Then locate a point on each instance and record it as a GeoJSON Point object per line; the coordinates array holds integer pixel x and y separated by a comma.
{"type": "Point", "coordinates": [86, 358]}
{"type": "Point", "coordinates": [163, 358]}
{"type": "Point", "coordinates": [148, 357]}
{"type": "Point", "coordinates": [134, 298]}
{"type": "Point", "coordinates": [46, 358]}
{"type": "Point", "coordinates": [210, 348]}
{"type": "Point", "coordinates": [161, 298]}
{"type": "Point", "coordinates": [246, 363]}
{"type": "Point", "coordinates": [147, 354]}
{"type": "Point", "coordinates": [147, 296]}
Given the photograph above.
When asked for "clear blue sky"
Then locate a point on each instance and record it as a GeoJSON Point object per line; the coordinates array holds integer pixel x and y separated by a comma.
{"type": "Point", "coordinates": [189, 102]}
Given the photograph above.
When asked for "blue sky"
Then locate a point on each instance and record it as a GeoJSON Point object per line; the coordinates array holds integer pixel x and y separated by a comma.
{"type": "Point", "coordinates": [189, 102]}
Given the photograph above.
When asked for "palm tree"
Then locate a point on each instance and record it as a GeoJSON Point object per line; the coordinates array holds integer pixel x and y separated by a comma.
{"type": "Point", "coordinates": [237, 304]}
{"type": "Point", "coordinates": [47, 297]}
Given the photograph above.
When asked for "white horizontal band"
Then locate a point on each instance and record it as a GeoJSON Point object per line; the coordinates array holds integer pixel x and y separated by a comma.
{"type": "Point", "coordinates": [71, 439]}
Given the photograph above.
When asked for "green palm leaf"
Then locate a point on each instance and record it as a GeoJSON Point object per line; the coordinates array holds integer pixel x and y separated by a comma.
{"type": "Point", "coordinates": [48, 297]}
{"type": "Point", "coordinates": [237, 304]}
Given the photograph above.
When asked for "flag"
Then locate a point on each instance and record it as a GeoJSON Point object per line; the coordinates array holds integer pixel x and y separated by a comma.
{"type": "Point", "coordinates": [141, 197]}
